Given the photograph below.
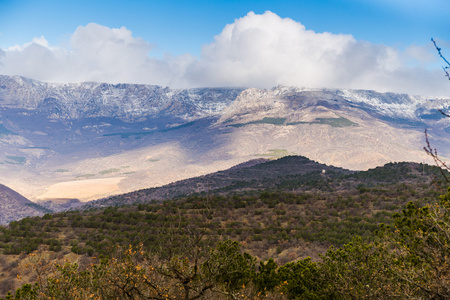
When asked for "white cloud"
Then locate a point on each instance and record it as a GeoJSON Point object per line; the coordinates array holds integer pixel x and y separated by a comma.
{"type": "Point", "coordinates": [266, 50]}
{"type": "Point", "coordinates": [97, 53]}
{"type": "Point", "coordinates": [37, 40]}
{"type": "Point", "coordinates": [255, 51]}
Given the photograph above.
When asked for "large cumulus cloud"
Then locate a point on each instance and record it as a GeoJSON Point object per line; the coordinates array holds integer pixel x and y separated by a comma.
{"type": "Point", "coordinates": [255, 51]}
{"type": "Point", "coordinates": [266, 50]}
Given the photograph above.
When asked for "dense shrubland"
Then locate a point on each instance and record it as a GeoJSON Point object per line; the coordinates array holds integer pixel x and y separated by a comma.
{"type": "Point", "coordinates": [244, 245]}
{"type": "Point", "coordinates": [409, 259]}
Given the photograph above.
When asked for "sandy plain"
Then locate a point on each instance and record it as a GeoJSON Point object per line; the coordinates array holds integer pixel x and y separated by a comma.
{"type": "Point", "coordinates": [84, 190]}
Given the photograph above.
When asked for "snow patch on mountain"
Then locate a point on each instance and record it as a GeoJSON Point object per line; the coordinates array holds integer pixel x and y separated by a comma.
{"type": "Point", "coordinates": [392, 105]}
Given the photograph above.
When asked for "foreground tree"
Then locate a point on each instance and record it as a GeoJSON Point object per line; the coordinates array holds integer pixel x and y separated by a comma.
{"type": "Point", "coordinates": [411, 259]}
{"type": "Point", "coordinates": [135, 274]}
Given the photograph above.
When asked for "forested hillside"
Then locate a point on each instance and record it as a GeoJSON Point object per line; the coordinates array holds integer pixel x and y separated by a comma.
{"type": "Point", "coordinates": [290, 173]}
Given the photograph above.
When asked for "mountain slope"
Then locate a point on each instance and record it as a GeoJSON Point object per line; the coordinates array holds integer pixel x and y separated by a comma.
{"type": "Point", "coordinates": [290, 173]}
{"type": "Point", "coordinates": [14, 206]}
{"type": "Point", "coordinates": [258, 174]}
{"type": "Point", "coordinates": [90, 140]}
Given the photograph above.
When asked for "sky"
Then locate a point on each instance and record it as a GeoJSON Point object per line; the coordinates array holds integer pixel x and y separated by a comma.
{"type": "Point", "coordinates": [359, 44]}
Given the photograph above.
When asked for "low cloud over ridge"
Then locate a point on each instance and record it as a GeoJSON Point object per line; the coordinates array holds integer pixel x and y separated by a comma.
{"type": "Point", "coordinates": [255, 51]}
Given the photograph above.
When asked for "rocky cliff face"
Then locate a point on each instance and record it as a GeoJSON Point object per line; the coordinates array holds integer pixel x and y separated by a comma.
{"type": "Point", "coordinates": [88, 140]}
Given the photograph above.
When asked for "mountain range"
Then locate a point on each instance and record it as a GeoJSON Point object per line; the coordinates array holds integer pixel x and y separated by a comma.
{"type": "Point", "coordinates": [66, 143]}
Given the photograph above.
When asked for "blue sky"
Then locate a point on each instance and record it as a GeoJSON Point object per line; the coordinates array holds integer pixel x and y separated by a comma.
{"type": "Point", "coordinates": [183, 26]}
{"type": "Point", "coordinates": [188, 37]}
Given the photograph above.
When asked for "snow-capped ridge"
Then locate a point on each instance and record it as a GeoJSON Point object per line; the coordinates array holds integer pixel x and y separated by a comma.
{"type": "Point", "coordinates": [126, 101]}
{"type": "Point", "coordinates": [136, 101]}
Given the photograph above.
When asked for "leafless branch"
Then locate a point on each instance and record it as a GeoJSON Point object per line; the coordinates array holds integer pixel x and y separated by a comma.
{"type": "Point", "coordinates": [447, 67]}
{"type": "Point", "coordinates": [433, 153]}
{"type": "Point", "coordinates": [442, 112]}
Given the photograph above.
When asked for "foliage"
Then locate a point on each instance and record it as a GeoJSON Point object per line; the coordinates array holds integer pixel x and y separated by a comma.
{"type": "Point", "coordinates": [420, 246]}
{"type": "Point", "coordinates": [269, 220]}
{"type": "Point", "coordinates": [409, 259]}
{"type": "Point", "coordinates": [229, 268]}
{"type": "Point", "coordinates": [135, 274]}
{"type": "Point", "coordinates": [302, 279]}
{"type": "Point", "coordinates": [182, 238]}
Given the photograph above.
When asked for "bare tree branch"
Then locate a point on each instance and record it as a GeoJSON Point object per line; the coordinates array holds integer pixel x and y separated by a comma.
{"type": "Point", "coordinates": [433, 153]}
{"type": "Point", "coordinates": [447, 67]}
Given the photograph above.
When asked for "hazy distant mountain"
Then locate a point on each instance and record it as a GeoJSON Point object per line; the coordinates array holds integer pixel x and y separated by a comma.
{"type": "Point", "coordinates": [14, 206]}
{"type": "Point", "coordinates": [90, 140]}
